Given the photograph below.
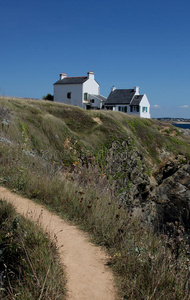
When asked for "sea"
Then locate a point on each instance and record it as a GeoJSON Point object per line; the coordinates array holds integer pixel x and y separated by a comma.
{"type": "Point", "coordinates": [182, 125]}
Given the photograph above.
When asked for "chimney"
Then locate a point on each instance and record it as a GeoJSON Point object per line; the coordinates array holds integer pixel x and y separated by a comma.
{"type": "Point", "coordinates": [113, 88]}
{"type": "Point", "coordinates": [62, 76]}
{"type": "Point", "coordinates": [90, 75]}
{"type": "Point", "coordinates": [136, 88]}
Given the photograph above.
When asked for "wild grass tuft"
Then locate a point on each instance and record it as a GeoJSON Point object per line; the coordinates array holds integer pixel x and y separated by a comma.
{"type": "Point", "coordinates": [29, 264]}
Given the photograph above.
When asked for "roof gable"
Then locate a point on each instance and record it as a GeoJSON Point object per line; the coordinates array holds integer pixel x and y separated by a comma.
{"type": "Point", "coordinates": [72, 80]}
{"type": "Point", "coordinates": [136, 100]}
{"type": "Point", "coordinates": [120, 96]}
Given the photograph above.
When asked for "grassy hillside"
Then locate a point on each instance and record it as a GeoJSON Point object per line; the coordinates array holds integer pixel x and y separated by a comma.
{"type": "Point", "coordinates": [56, 154]}
{"type": "Point", "coordinates": [23, 274]}
{"type": "Point", "coordinates": [44, 127]}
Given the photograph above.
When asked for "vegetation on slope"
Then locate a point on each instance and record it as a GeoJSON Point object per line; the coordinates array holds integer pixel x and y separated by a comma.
{"type": "Point", "coordinates": [44, 126]}
{"type": "Point", "coordinates": [46, 146]}
{"type": "Point", "coordinates": [29, 264]}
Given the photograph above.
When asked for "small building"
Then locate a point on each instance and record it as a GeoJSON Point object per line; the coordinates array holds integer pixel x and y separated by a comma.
{"type": "Point", "coordinates": [81, 91]}
{"type": "Point", "coordinates": [128, 101]}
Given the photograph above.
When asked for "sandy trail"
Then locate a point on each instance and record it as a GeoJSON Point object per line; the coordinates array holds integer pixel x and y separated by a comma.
{"type": "Point", "coordinates": [88, 277]}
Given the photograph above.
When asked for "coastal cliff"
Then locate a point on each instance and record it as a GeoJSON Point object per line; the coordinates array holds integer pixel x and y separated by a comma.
{"type": "Point", "coordinates": [143, 164]}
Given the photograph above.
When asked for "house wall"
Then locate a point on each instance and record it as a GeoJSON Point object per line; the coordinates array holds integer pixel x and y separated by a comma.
{"type": "Point", "coordinates": [97, 102]}
{"type": "Point", "coordinates": [144, 103]}
{"type": "Point", "coordinates": [116, 108]}
{"type": "Point", "coordinates": [135, 113]}
{"type": "Point", "coordinates": [91, 87]}
{"type": "Point", "coordinates": [61, 91]}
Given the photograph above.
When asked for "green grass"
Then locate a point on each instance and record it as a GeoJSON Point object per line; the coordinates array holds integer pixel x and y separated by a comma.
{"type": "Point", "coordinates": [29, 263]}
{"type": "Point", "coordinates": [144, 264]}
{"type": "Point", "coordinates": [41, 125]}
{"type": "Point", "coordinates": [61, 164]}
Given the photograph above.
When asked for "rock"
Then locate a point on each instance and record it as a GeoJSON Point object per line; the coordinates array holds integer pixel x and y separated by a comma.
{"type": "Point", "coordinates": [173, 198]}
{"type": "Point", "coordinates": [126, 169]}
{"type": "Point", "coordinates": [164, 197]}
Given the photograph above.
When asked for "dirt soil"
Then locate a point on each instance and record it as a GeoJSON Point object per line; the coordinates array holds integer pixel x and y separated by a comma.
{"type": "Point", "coordinates": [88, 277]}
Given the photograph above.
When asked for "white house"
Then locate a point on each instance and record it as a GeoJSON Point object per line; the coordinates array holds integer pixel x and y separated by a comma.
{"type": "Point", "coordinates": [129, 101]}
{"type": "Point", "coordinates": [81, 91]}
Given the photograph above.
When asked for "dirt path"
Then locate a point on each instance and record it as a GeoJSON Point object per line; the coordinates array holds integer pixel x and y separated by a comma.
{"type": "Point", "coordinates": [88, 278]}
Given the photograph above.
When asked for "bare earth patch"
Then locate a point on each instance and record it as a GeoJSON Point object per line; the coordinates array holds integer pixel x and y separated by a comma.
{"type": "Point", "coordinates": [97, 120]}
{"type": "Point", "coordinates": [87, 276]}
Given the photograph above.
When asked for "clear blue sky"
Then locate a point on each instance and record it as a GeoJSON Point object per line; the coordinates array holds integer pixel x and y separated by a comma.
{"type": "Point", "coordinates": [129, 43]}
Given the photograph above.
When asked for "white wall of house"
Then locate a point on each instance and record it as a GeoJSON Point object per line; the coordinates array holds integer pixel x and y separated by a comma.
{"type": "Point", "coordinates": [61, 94]}
{"type": "Point", "coordinates": [144, 107]}
{"type": "Point", "coordinates": [127, 109]}
{"type": "Point", "coordinates": [94, 101]}
{"type": "Point", "coordinates": [135, 110]}
{"type": "Point", "coordinates": [122, 108]}
{"type": "Point", "coordinates": [91, 87]}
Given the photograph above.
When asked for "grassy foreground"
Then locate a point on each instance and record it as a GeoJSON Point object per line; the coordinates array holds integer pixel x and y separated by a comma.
{"type": "Point", "coordinates": [29, 264]}
{"type": "Point", "coordinates": [42, 143]}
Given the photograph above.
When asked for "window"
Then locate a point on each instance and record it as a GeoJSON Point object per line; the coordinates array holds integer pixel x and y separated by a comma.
{"type": "Point", "coordinates": [92, 100]}
{"type": "Point", "coordinates": [85, 96]}
{"type": "Point", "coordinates": [69, 95]}
{"type": "Point", "coordinates": [122, 108]}
{"type": "Point", "coordinates": [144, 109]}
{"type": "Point", "coordinates": [134, 108]}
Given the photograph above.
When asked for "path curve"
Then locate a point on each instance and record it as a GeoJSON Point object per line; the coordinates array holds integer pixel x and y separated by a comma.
{"type": "Point", "coordinates": [87, 276]}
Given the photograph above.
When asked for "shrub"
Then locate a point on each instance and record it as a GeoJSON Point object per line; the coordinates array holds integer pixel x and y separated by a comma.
{"type": "Point", "coordinates": [48, 97]}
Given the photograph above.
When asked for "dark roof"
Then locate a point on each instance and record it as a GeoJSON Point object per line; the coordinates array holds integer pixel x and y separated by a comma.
{"type": "Point", "coordinates": [136, 100]}
{"type": "Point", "coordinates": [120, 97]}
{"type": "Point", "coordinates": [72, 80]}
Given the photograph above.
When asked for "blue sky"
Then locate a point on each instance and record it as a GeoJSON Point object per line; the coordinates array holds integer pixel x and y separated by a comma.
{"type": "Point", "coordinates": [126, 43]}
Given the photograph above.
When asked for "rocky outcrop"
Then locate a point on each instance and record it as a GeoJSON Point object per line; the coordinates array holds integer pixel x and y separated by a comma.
{"type": "Point", "coordinates": [127, 173]}
{"type": "Point", "coordinates": [163, 197]}
{"type": "Point", "coordinates": [172, 197]}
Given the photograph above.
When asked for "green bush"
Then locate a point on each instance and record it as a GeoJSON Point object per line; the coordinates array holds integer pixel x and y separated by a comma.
{"type": "Point", "coordinates": [48, 97]}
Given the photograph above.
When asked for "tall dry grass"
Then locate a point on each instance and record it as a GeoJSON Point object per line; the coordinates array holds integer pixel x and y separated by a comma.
{"type": "Point", "coordinates": [145, 263]}
{"type": "Point", "coordinates": [33, 156]}
{"type": "Point", "coordinates": [29, 263]}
